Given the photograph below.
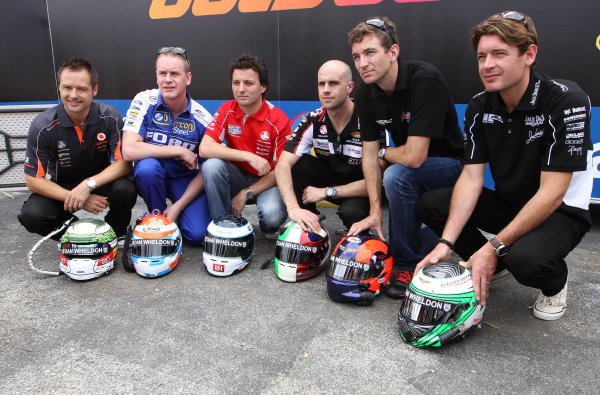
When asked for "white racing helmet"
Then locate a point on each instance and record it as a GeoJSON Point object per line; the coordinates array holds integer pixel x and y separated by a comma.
{"type": "Point", "coordinates": [228, 245]}
{"type": "Point", "coordinates": [88, 249]}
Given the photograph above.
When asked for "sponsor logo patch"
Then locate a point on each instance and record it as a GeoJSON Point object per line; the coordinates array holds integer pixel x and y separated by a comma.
{"type": "Point", "coordinates": [491, 118]}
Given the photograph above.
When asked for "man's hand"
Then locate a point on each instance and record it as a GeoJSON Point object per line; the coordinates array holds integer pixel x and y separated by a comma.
{"type": "Point", "coordinates": [483, 265]}
{"type": "Point", "coordinates": [371, 222]}
{"type": "Point", "coordinates": [260, 164]}
{"type": "Point", "coordinates": [306, 219]}
{"type": "Point", "coordinates": [76, 197]}
{"type": "Point", "coordinates": [172, 212]}
{"type": "Point", "coordinates": [238, 202]}
{"type": "Point", "coordinates": [313, 195]}
{"type": "Point", "coordinates": [95, 204]}
{"type": "Point", "coordinates": [440, 253]}
{"type": "Point", "coordinates": [189, 159]}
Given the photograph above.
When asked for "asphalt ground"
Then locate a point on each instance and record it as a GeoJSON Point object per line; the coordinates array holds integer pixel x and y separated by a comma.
{"type": "Point", "coordinates": [190, 332]}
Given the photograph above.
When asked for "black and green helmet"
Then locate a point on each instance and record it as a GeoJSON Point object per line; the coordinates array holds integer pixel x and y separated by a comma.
{"type": "Point", "coordinates": [439, 306]}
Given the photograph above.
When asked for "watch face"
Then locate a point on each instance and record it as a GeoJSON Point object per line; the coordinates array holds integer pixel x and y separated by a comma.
{"type": "Point", "coordinates": [329, 192]}
{"type": "Point", "coordinates": [502, 251]}
{"type": "Point", "coordinates": [249, 194]}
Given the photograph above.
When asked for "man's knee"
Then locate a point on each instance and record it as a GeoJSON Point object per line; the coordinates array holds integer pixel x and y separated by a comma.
{"type": "Point", "coordinates": [148, 169]}
{"type": "Point", "coordinates": [124, 190]}
{"type": "Point", "coordinates": [272, 217]}
{"type": "Point", "coordinates": [399, 179]}
{"type": "Point", "coordinates": [434, 203]}
{"type": "Point", "coordinates": [213, 168]}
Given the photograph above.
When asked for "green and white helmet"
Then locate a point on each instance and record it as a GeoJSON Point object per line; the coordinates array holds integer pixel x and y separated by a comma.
{"type": "Point", "coordinates": [439, 306]}
{"type": "Point", "coordinates": [88, 249]}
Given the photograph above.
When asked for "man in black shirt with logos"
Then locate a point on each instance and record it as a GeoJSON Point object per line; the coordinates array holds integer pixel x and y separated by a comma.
{"type": "Point", "coordinates": [334, 173]}
{"type": "Point", "coordinates": [534, 131]}
{"type": "Point", "coordinates": [69, 162]}
{"type": "Point", "coordinates": [410, 100]}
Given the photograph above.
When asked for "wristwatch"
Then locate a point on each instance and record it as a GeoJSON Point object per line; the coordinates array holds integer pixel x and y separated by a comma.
{"type": "Point", "coordinates": [91, 183]}
{"type": "Point", "coordinates": [330, 192]}
{"type": "Point", "coordinates": [500, 247]}
{"type": "Point", "coordinates": [249, 194]}
{"type": "Point", "coordinates": [381, 153]}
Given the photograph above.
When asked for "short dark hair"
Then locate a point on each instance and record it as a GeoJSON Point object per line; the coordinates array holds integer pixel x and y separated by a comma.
{"type": "Point", "coordinates": [357, 34]}
{"type": "Point", "coordinates": [78, 63]}
{"type": "Point", "coordinates": [521, 34]}
{"type": "Point", "coordinates": [250, 61]}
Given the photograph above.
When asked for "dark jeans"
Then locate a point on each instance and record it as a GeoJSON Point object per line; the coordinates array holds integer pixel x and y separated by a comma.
{"type": "Point", "coordinates": [536, 259]}
{"type": "Point", "coordinates": [42, 215]}
{"type": "Point", "coordinates": [310, 171]}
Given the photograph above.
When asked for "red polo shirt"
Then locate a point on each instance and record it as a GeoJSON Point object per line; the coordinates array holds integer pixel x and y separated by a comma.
{"type": "Point", "coordinates": [263, 133]}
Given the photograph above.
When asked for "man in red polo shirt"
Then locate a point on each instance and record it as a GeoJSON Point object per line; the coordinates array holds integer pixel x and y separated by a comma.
{"type": "Point", "coordinates": [244, 141]}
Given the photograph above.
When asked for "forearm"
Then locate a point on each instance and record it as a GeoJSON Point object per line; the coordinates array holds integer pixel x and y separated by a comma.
{"type": "Point", "coordinates": [194, 188]}
{"type": "Point", "coordinates": [464, 199]}
{"type": "Point", "coordinates": [283, 176]}
{"type": "Point", "coordinates": [46, 188]}
{"type": "Point", "coordinates": [264, 183]}
{"type": "Point", "coordinates": [210, 148]}
{"type": "Point", "coordinates": [353, 189]}
{"type": "Point", "coordinates": [139, 150]}
{"type": "Point", "coordinates": [372, 172]}
{"type": "Point", "coordinates": [117, 169]}
{"type": "Point", "coordinates": [412, 154]}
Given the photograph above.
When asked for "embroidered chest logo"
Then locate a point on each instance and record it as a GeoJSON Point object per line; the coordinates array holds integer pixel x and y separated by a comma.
{"type": "Point", "coordinates": [264, 135]}
{"type": "Point", "coordinates": [534, 120]}
{"type": "Point", "coordinates": [234, 130]}
{"type": "Point", "coordinates": [491, 118]}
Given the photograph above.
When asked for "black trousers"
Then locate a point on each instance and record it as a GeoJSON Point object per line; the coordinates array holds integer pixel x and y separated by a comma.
{"type": "Point", "coordinates": [311, 171]}
{"type": "Point", "coordinates": [536, 259]}
{"type": "Point", "coordinates": [42, 215]}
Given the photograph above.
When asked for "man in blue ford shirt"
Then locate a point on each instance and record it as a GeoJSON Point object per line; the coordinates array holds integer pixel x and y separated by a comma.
{"type": "Point", "coordinates": [162, 131]}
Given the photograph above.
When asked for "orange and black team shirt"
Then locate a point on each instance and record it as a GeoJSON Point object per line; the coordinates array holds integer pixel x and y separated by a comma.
{"type": "Point", "coordinates": [58, 149]}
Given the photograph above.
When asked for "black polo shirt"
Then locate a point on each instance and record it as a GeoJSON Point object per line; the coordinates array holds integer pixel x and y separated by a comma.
{"type": "Point", "coordinates": [55, 148]}
{"type": "Point", "coordinates": [420, 105]}
{"type": "Point", "coordinates": [549, 130]}
{"type": "Point", "coordinates": [342, 154]}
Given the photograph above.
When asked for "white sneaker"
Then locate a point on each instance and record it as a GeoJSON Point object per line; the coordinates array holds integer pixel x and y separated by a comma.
{"type": "Point", "coordinates": [550, 307]}
{"type": "Point", "coordinates": [502, 275]}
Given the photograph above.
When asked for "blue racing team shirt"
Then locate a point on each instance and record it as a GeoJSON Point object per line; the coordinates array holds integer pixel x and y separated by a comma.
{"type": "Point", "coordinates": [149, 117]}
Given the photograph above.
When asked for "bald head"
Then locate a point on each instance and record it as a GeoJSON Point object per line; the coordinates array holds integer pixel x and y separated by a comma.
{"type": "Point", "coordinates": [337, 67]}
{"type": "Point", "coordinates": [335, 84]}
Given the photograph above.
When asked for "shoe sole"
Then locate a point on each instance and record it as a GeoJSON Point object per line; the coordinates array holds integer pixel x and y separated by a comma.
{"type": "Point", "coordinates": [548, 316]}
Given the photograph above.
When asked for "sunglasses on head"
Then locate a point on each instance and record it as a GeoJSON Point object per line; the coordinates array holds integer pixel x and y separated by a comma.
{"type": "Point", "coordinates": [515, 16]}
{"type": "Point", "coordinates": [380, 24]}
{"type": "Point", "coordinates": [176, 50]}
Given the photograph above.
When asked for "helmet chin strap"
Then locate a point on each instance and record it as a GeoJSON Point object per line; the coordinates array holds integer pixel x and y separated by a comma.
{"type": "Point", "coordinates": [39, 243]}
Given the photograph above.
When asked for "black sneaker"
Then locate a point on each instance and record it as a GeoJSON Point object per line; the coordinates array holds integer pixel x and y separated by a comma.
{"type": "Point", "coordinates": [399, 283]}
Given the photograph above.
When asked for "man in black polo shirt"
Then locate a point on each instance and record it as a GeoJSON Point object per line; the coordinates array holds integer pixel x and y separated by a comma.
{"type": "Point", "coordinates": [334, 173]}
{"type": "Point", "coordinates": [68, 162]}
{"type": "Point", "coordinates": [534, 131]}
{"type": "Point", "coordinates": [410, 100]}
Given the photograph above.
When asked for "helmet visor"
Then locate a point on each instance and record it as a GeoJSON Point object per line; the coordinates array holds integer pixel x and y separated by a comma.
{"type": "Point", "coordinates": [348, 269]}
{"type": "Point", "coordinates": [92, 251]}
{"type": "Point", "coordinates": [295, 253]}
{"type": "Point", "coordinates": [424, 310]}
{"type": "Point", "coordinates": [154, 248]}
{"type": "Point", "coordinates": [229, 247]}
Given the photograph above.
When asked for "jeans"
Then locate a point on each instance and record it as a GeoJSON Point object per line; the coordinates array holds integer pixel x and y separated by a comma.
{"type": "Point", "coordinates": [223, 180]}
{"type": "Point", "coordinates": [536, 259]}
{"type": "Point", "coordinates": [409, 241]}
{"type": "Point", "coordinates": [155, 186]}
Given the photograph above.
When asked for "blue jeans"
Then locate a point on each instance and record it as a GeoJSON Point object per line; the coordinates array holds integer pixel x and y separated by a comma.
{"type": "Point", "coordinates": [155, 186]}
{"type": "Point", "coordinates": [223, 180]}
{"type": "Point", "coordinates": [403, 185]}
